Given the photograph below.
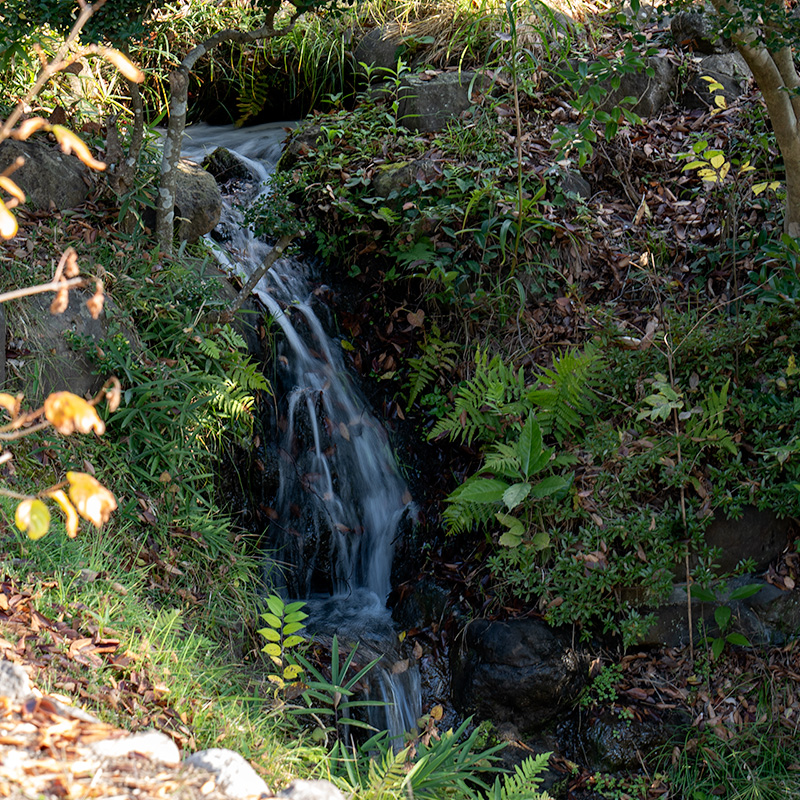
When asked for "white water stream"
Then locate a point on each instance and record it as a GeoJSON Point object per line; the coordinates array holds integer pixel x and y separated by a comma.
{"type": "Point", "coordinates": [341, 498]}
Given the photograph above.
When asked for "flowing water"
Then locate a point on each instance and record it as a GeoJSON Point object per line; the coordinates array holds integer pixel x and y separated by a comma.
{"type": "Point", "coordinates": [341, 500]}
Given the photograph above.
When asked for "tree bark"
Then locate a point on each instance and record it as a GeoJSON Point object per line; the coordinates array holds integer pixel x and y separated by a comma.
{"type": "Point", "coordinates": [179, 88]}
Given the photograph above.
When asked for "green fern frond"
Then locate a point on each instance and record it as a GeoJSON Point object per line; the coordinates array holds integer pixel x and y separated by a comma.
{"type": "Point", "coordinates": [565, 395]}
{"type": "Point", "coordinates": [487, 404]}
{"type": "Point", "coordinates": [503, 459]}
{"type": "Point", "coordinates": [209, 348]}
{"type": "Point", "coordinates": [524, 783]}
{"type": "Point", "coordinates": [253, 97]}
{"type": "Point", "coordinates": [436, 357]}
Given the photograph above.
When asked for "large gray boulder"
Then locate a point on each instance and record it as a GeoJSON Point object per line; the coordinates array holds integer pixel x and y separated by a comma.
{"type": "Point", "coordinates": [698, 31]}
{"type": "Point", "coordinates": [728, 69]}
{"type": "Point", "coordinates": [51, 363]}
{"type": "Point", "coordinates": [521, 671]}
{"type": "Point", "coordinates": [198, 202]}
{"type": "Point", "coordinates": [651, 93]}
{"type": "Point", "coordinates": [49, 178]}
{"type": "Point", "coordinates": [377, 53]}
{"type": "Point", "coordinates": [426, 103]}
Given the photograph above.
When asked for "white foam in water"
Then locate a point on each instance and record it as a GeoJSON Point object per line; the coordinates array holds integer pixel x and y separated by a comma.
{"type": "Point", "coordinates": [341, 497]}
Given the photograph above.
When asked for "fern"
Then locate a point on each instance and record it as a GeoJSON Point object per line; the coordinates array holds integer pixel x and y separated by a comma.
{"type": "Point", "coordinates": [523, 783]}
{"type": "Point", "coordinates": [565, 396]}
{"type": "Point", "coordinates": [461, 515]}
{"type": "Point", "coordinates": [437, 357]}
{"type": "Point", "coordinates": [485, 405]}
{"type": "Point", "coordinates": [209, 348]}
{"type": "Point", "coordinates": [253, 97]}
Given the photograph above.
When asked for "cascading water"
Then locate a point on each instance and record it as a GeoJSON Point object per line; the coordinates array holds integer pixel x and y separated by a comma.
{"type": "Point", "coordinates": [341, 498]}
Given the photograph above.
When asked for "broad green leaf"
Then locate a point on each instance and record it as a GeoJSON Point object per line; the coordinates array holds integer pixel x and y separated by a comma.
{"type": "Point", "coordinates": [292, 627]}
{"type": "Point", "coordinates": [297, 616]}
{"type": "Point", "coordinates": [271, 620]}
{"type": "Point", "coordinates": [272, 649]}
{"type": "Point", "coordinates": [738, 639]}
{"type": "Point", "coordinates": [275, 605]}
{"type": "Point", "coordinates": [548, 486]}
{"type": "Point", "coordinates": [514, 525]}
{"type": "Point", "coordinates": [515, 494]}
{"type": "Point", "coordinates": [509, 539]}
{"type": "Point", "coordinates": [529, 446]}
{"type": "Point", "coordinates": [743, 592]}
{"type": "Point", "coordinates": [722, 615]}
{"type": "Point", "coordinates": [483, 490]}
{"type": "Point", "coordinates": [695, 165]}
{"type": "Point", "coordinates": [270, 634]}
{"type": "Point", "coordinates": [717, 646]}
{"type": "Point", "coordinates": [293, 608]}
{"type": "Point", "coordinates": [702, 594]}
{"type": "Point", "coordinates": [541, 540]}
{"type": "Point", "coordinates": [292, 641]}
{"type": "Point", "coordinates": [698, 147]}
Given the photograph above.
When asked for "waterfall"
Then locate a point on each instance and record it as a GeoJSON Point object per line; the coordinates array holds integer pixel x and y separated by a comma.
{"type": "Point", "coordinates": [341, 498]}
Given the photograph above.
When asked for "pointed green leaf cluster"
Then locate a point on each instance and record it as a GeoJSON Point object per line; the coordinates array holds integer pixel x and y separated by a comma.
{"type": "Point", "coordinates": [284, 624]}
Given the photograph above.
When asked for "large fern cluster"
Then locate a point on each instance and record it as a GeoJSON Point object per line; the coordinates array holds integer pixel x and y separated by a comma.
{"type": "Point", "coordinates": [436, 356]}
{"type": "Point", "coordinates": [486, 404]}
{"type": "Point", "coordinates": [564, 397]}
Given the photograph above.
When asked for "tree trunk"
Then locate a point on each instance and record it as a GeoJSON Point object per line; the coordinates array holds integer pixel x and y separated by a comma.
{"type": "Point", "coordinates": [777, 78]}
{"type": "Point", "coordinates": [179, 88]}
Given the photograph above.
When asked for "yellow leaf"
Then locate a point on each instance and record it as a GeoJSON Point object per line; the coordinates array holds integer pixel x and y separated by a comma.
{"type": "Point", "coordinates": [128, 69]}
{"type": "Point", "coordinates": [724, 170]}
{"type": "Point", "coordinates": [8, 222]}
{"type": "Point", "coordinates": [717, 161]}
{"type": "Point", "coordinates": [437, 712]}
{"type": "Point", "coordinates": [12, 188]}
{"type": "Point", "coordinates": [10, 404]}
{"type": "Point", "coordinates": [93, 501]}
{"type": "Point", "coordinates": [67, 413]}
{"type": "Point", "coordinates": [708, 175]}
{"type": "Point", "coordinates": [71, 143]}
{"type": "Point", "coordinates": [32, 516]}
{"type": "Point", "coordinates": [70, 513]}
{"type": "Point", "coordinates": [759, 187]}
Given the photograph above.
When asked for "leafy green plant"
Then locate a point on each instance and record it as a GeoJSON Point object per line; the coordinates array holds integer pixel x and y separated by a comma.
{"type": "Point", "coordinates": [603, 689]}
{"type": "Point", "coordinates": [516, 465]}
{"type": "Point", "coordinates": [436, 357]}
{"type": "Point", "coordinates": [284, 624]}
{"type": "Point", "coordinates": [335, 697]}
{"type": "Point", "coordinates": [723, 616]}
{"type": "Point", "coordinates": [523, 783]}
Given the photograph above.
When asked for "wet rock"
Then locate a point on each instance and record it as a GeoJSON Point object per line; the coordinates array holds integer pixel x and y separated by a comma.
{"type": "Point", "coordinates": [728, 69]}
{"type": "Point", "coordinates": [14, 682]}
{"type": "Point", "coordinates": [49, 178]}
{"type": "Point", "coordinates": [651, 93]}
{"type": "Point", "coordinates": [198, 202]}
{"type": "Point", "coordinates": [427, 103]}
{"type": "Point", "coordinates": [226, 166]}
{"type": "Point", "coordinates": [427, 602]}
{"type": "Point", "coordinates": [302, 141]}
{"type": "Point", "coordinates": [234, 775]}
{"type": "Point", "coordinates": [520, 671]}
{"type": "Point", "coordinates": [778, 610]}
{"type": "Point", "coordinates": [611, 743]}
{"type": "Point", "coordinates": [698, 31]}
